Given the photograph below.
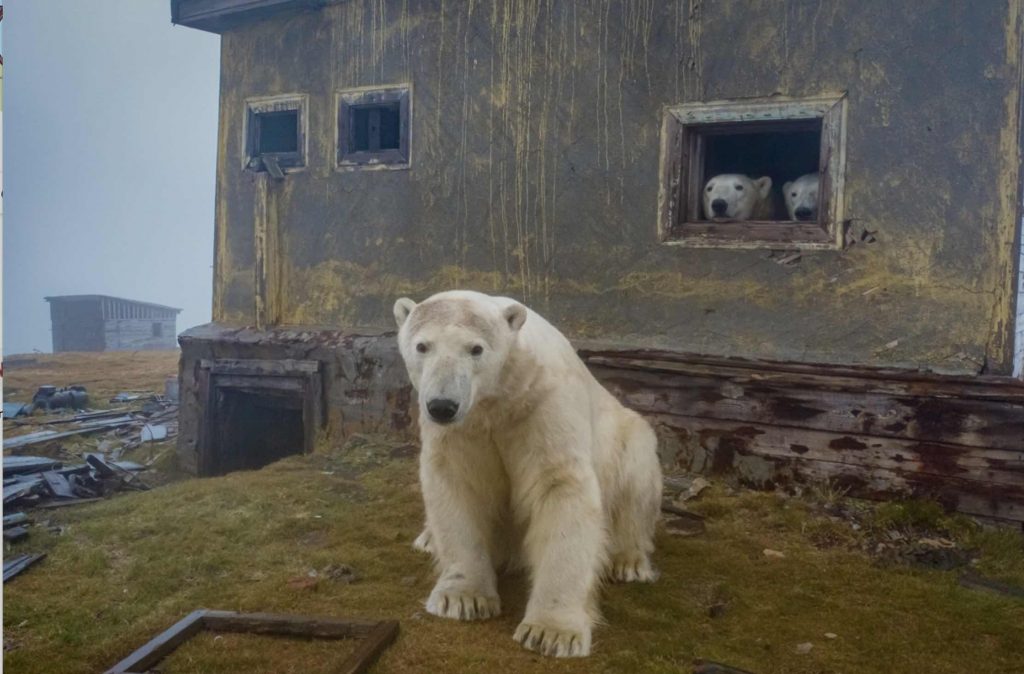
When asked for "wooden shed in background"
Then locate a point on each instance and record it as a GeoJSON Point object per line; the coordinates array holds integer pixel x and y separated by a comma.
{"type": "Point", "coordinates": [105, 323]}
{"type": "Point", "coordinates": [555, 152]}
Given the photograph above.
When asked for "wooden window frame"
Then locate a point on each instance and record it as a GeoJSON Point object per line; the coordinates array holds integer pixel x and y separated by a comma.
{"type": "Point", "coordinates": [374, 637]}
{"type": "Point", "coordinates": [286, 161]}
{"type": "Point", "coordinates": [347, 102]}
{"type": "Point", "coordinates": [684, 129]}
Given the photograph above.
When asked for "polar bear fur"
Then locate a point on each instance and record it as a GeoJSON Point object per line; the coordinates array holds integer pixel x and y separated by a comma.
{"type": "Point", "coordinates": [734, 196]}
{"type": "Point", "coordinates": [802, 197]}
{"type": "Point", "coordinates": [538, 467]}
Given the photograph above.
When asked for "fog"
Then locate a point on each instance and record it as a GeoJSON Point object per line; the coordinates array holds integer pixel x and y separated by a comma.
{"type": "Point", "coordinates": [109, 141]}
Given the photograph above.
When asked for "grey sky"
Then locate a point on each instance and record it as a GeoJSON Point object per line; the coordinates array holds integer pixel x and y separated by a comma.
{"type": "Point", "coordinates": [110, 137]}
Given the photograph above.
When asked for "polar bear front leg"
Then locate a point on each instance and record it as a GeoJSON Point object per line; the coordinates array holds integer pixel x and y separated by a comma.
{"type": "Point", "coordinates": [459, 529]}
{"type": "Point", "coordinates": [564, 545]}
{"type": "Point", "coordinates": [565, 541]}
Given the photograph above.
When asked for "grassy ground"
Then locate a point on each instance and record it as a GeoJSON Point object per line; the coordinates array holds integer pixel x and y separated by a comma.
{"type": "Point", "coordinates": [121, 570]}
{"type": "Point", "coordinates": [127, 568]}
{"type": "Point", "coordinates": [103, 374]}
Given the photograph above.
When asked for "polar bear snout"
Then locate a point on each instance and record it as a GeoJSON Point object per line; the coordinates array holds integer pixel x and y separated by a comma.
{"type": "Point", "coordinates": [803, 213]}
{"type": "Point", "coordinates": [442, 410]}
{"type": "Point", "coordinates": [719, 207]}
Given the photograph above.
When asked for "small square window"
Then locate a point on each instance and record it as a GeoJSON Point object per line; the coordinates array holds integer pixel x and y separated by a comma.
{"type": "Point", "coordinates": [724, 167]}
{"type": "Point", "coordinates": [158, 329]}
{"type": "Point", "coordinates": [373, 128]}
{"type": "Point", "coordinates": [275, 128]}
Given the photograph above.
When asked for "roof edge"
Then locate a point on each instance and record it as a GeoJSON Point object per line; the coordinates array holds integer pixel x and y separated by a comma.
{"type": "Point", "coordinates": [218, 16]}
{"type": "Point", "coordinates": [84, 298]}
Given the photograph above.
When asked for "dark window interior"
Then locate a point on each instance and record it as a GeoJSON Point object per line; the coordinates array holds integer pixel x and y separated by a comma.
{"type": "Point", "coordinates": [277, 132]}
{"type": "Point", "coordinates": [256, 427]}
{"type": "Point", "coordinates": [784, 154]}
{"type": "Point", "coordinates": [375, 127]}
{"type": "Point", "coordinates": [158, 329]}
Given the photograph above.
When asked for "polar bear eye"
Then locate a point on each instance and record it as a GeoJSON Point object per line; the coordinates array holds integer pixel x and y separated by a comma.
{"type": "Point", "coordinates": [476, 350]}
{"type": "Point", "coordinates": [421, 347]}
{"type": "Point", "coordinates": [792, 194]}
{"type": "Point", "coordinates": [709, 188]}
{"type": "Point", "coordinates": [739, 188]}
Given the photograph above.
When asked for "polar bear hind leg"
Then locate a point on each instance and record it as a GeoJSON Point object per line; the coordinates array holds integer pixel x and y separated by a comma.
{"type": "Point", "coordinates": [633, 514]}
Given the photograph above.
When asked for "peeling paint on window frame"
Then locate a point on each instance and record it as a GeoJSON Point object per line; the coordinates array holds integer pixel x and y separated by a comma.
{"type": "Point", "coordinates": [289, 162]}
{"type": "Point", "coordinates": [682, 153]}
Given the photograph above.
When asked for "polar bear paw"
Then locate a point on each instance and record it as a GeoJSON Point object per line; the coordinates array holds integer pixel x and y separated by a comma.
{"type": "Point", "coordinates": [462, 604]}
{"type": "Point", "coordinates": [424, 542]}
{"type": "Point", "coordinates": [631, 568]}
{"type": "Point", "coordinates": [554, 641]}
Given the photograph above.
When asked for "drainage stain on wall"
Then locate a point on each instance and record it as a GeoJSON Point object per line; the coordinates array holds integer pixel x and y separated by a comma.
{"type": "Point", "coordinates": [535, 139]}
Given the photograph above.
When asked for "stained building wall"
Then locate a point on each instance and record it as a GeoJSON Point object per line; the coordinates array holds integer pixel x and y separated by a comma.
{"type": "Point", "coordinates": [77, 326]}
{"type": "Point", "coordinates": [535, 142]}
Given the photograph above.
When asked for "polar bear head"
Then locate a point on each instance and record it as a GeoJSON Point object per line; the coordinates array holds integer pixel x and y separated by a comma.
{"type": "Point", "coordinates": [733, 196]}
{"type": "Point", "coordinates": [802, 197]}
{"type": "Point", "coordinates": [455, 345]}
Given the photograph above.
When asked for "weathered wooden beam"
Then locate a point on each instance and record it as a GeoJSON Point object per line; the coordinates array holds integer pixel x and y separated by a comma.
{"type": "Point", "coordinates": [287, 625]}
{"type": "Point", "coordinates": [160, 646]}
{"type": "Point", "coordinates": [374, 636]}
{"type": "Point", "coordinates": [966, 421]}
{"type": "Point", "coordinates": [880, 432]}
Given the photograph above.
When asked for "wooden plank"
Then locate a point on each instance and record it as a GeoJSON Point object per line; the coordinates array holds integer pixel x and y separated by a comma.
{"type": "Point", "coordinates": [987, 466]}
{"type": "Point", "coordinates": [814, 375]}
{"type": "Point", "coordinates": [285, 367]}
{"type": "Point", "coordinates": [369, 649]}
{"type": "Point", "coordinates": [970, 422]}
{"type": "Point", "coordinates": [161, 645]}
{"type": "Point", "coordinates": [287, 625]}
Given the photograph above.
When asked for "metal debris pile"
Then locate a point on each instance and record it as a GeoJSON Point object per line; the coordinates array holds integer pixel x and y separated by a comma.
{"type": "Point", "coordinates": [80, 453]}
{"type": "Point", "coordinates": [31, 481]}
{"type": "Point", "coordinates": [147, 418]}
{"type": "Point", "coordinates": [40, 482]}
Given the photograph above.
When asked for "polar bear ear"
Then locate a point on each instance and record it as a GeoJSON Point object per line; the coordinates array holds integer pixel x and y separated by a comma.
{"type": "Point", "coordinates": [515, 316]}
{"type": "Point", "coordinates": [764, 185]}
{"type": "Point", "coordinates": [403, 307]}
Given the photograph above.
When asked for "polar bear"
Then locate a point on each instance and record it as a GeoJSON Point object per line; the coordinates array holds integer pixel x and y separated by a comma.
{"type": "Point", "coordinates": [734, 196]}
{"type": "Point", "coordinates": [527, 462]}
{"type": "Point", "coordinates": [802, 197]}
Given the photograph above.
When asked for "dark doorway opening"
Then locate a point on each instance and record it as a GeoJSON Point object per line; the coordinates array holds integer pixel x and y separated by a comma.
{"type": "Point", "coordinates": [256, 428]}
{"type": "Point", "coordinates": [255, 412]}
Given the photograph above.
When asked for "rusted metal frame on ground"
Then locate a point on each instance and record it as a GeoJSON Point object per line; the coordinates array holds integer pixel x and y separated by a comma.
{"type": "Point", "coordinates": [375, 636]}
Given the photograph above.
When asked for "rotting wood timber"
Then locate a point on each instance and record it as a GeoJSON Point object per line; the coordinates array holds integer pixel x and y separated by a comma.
{"type": "Point", "coordinates": [878, 432]}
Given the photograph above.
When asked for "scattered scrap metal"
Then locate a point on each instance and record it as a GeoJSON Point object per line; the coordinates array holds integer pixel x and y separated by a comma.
{"type": "Point", "coordinates": [15, 565]}
{"type": "Point", "coordinates": [374, 636]}
{"type": "Point", "coordinates": [51, 480]}
{"type": "Point", "coordinates": [127, 428]}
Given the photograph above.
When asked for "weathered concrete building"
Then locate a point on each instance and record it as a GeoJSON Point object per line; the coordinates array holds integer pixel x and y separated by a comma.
{"type": "Point", "coordinates": [104, 323]}
{"type": "Point", "coordinates": [556, 152]}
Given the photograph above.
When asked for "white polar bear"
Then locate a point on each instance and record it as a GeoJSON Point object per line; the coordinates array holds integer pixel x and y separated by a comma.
{"type": "Point", "coordinates": [733, 196]}
{"type": "Point", "coordinates": [802, 197]}
{"type": "Point", "coordinates": [527, 461]}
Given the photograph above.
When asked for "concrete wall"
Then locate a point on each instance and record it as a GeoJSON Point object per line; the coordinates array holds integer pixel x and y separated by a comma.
{"type": "Point", "coordinates": [535, 171]}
